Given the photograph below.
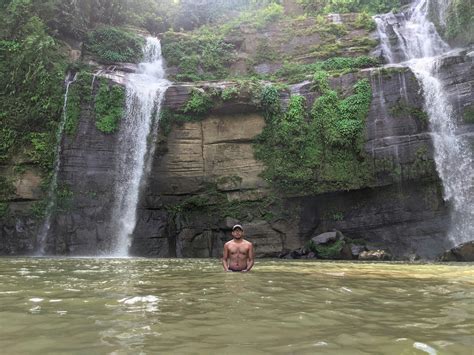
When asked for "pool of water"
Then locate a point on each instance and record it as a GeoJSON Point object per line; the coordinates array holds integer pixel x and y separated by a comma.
{"type": "Point", "coordinates": [147, 306]}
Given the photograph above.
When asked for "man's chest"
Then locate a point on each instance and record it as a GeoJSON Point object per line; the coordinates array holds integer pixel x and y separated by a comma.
{"type": "Point", "coordinates": [238, 249]}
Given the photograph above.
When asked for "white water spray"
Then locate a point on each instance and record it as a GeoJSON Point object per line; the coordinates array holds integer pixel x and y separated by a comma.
{"type": "Point", "coordinates": [52, 198]}
{"type": "Point", "coordinates": [145, 91]}
{"type": "Point", "coordinates": [419, 44]}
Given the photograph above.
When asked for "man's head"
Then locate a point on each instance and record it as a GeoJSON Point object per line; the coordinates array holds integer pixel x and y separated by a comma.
{"type": "Point", "coordinates": [237, 231]}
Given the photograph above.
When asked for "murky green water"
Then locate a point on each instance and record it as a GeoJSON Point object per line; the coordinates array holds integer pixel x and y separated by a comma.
{"type": "Point", "coordinates": [131, 306]}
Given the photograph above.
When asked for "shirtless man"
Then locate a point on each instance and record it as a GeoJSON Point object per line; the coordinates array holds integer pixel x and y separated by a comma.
{"type": "Point", "coordinates": [238, 253]}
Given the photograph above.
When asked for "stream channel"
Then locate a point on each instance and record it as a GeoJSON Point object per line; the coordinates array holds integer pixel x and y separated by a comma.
{"type": "Point", "coordinates": [190, 306]}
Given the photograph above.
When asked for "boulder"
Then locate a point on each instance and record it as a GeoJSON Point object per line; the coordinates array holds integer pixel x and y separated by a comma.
{"type": "Point", "coordinates": [375, 255]}
{"type": "Point", "coordinates": [461, 252]}
{"type": "Point", "coordinates": [325, 238]}
{"type": "Point", "coordinates": [356, 249]}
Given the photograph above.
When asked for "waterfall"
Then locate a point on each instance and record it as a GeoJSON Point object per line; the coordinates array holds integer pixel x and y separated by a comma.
{"type": "Point", "coordinates": [144, 95]}
{"type": "Point", "coordinates": [52, 198]}
{"type": "Point", "coordinates": [413, 39]}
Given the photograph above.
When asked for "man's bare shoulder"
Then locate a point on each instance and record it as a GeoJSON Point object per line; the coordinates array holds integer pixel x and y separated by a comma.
{"type": "Point", "coordinates": [243, 241]}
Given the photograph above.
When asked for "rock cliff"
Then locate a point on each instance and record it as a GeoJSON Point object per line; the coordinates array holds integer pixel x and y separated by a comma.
{"type": "Point", "coordinates": [204, 178]}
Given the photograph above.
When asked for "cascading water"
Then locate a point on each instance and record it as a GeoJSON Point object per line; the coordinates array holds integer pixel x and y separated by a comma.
{"type": "Point", "coordinates": [413, 39]}
{"type": "Point", "coordinates": [43, 233]}
{"type": "Point", "coordinates": [145, 91]}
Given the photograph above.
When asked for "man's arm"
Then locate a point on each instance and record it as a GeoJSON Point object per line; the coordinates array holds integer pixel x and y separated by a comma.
{"type": "Point", "coordinates": [225, 257]}
{"type": "Point", "coordinates": [250, 259]}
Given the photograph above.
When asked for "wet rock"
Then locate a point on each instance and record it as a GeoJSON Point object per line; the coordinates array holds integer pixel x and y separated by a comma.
{"type": "Point", "coordinates": [125, 67]}
{"type": "Point", "coordinates": [296, 254]}
{"type": "Point", "coordinates": [267, 68]}
{"type": "Point", "coordinates": [346, 252]}
{"type": "Point", "coordinates": [375, 255]}
{"type": "Point", "coordinates": [325, 238]}
{"type": "Point", "coordinates": [16, 235]}
{"type": "Point", "coordinates": [356, 249]}
{"type": "Point", "coordinates": [286, 256]}
{"type": "Point", "coordinates": [462, 252]}
{"type": "Point", "coordinates": [300, 253]}
{"type": "Point", "coordinates": [413, 257]}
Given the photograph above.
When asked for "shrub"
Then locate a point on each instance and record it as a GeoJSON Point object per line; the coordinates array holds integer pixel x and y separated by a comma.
{"type": "Point", "coordinates": [319, 153]}
{"type": "Point", "coordinates": [199, 102]}
{"type": "Point", "coordinates": [44, 149]}
{"type": "Point", "coordinates": [365, 21]}
{"type": "Point", "coordinates": [270, 101]}
{"type": "Point", "coordinates": [109, 104]}
{"type": "Point", "coordinates": [200, 56]}
{"type": "Point", "coordinates": [111, 44]}
{"type": "Point", "coordinates": [327, 251]}
{"type": "Point", "coordinates": [229, 93]}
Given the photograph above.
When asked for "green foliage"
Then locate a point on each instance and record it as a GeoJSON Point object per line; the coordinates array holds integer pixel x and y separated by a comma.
{"type": "Point", "coordinates": [326, 251]}
{"type": "Point", "coordinates": [64, 196]}
{"type": "Point", "coordinates": [196, 202]}
{"type": "Point", "coordinates": [270, 101]}
{"type": "Point", "coordinates": [265, 53]}
{"type": "Point", "coordinates": [43, 149]}
{"type": "Point", "coordinates": [7, 140]}
{"type": "Point", "coordinates": [109, 104]}
{"type": "Point", "coordinates": [263, 16]}
{"type": "Point", "coordinates": [320, 81]}
{"type": "Point", "coordinates": [365, 21]}
{"type": "Point", "coordinates": [295, 72]}
{"type": "Point", "coordinates": [229, 93]}
{"type": "Point", "coordinates": [322, 152]}
{"type": "Point", "coordinates": [337, 216]}
{"type": "Point", "coordinates": [207, 52]}
{"type": "Point", "coordinates": [111, 44]}
{"type": "Point", "coordinates": [31, 72]}
{"type": "Point", "coordinates": [192, 14]}
{"type": "Point", "coordinates": [39, 208]}
{"type": "Point", "coordinates": [199, 56]}
{"type": "Point", "coordinates": [422, 167]}
{"type": "Point", "coordinates": [3, 209]}
{"type": "Point", "coordinates": [198, 103]}
{"type": "Point", "coordinates": [215, 204]}
{"type": "Point", "coordinates": [401, 109]}
{"type": "Point", "coordinates": [460, 22]}
{"type": "Point", "coordinates": [80, 91]}
{"type": "Point", "coordinates": [344, 6]}
{"type": "Point", "coordinates": [468, 116]}
{"type": "Point", "coordinates": [168, 118]}
{"type": "Point", "coordinates": [202, 100]}
{"type": "Point", "coordinates": [6, 188]}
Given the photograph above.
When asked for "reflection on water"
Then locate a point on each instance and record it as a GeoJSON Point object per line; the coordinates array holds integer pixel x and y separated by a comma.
{"type": "Point", "coordinates": [126, 306]}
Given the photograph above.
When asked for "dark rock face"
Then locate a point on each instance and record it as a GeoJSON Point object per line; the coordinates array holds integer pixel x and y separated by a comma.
{"type": "Point", "coordinates": [405, 218]}
{"type": "Point", "coordinates": [88, 173]}
{"type": "Point", "coordinates": [455, 71]}
{"type": "Point", "coordinates": [462, 252]}
{"type": "Point", "coordinates": [17, 235]}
